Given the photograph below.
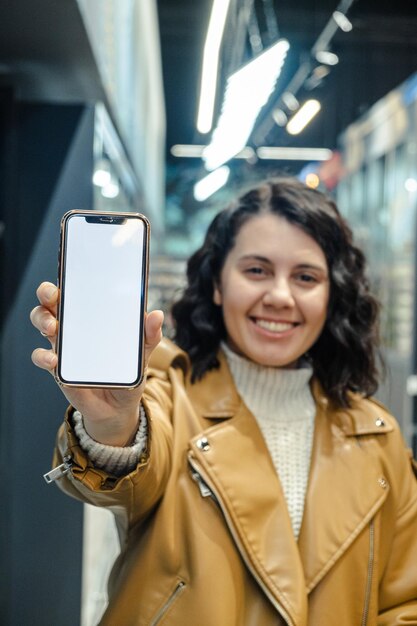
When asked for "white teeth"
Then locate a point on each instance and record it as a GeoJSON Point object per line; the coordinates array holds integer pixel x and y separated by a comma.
{"type": "Point", "coordinates": [275, 327]}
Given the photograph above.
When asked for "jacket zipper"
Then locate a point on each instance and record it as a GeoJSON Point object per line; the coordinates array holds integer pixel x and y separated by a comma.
{"type": "Point", "coordinates": [174, 595]}
{"type": "Point", "coordinates": [370, 573]}
{"type": "Point", "coordinates": [59, 471]}
{"type": "Point", "coordinates": [207, 490]}
{"type": "Point", "coordinates": [204, 489]}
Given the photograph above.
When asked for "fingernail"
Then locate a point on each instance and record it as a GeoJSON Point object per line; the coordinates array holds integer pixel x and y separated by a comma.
{"type": "Point", "coordinates": [50, 292]}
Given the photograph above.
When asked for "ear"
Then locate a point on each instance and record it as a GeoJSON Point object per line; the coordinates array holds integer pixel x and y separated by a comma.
{"type": "Point", "coordinates": [217, 296]}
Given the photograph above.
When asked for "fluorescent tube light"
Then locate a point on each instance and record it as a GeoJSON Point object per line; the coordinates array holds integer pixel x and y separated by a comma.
{"type": "Point", "coordinates": [247, 91]}
{"type": "Point", "coordinates": [211, 183]}
{"type": "Point", "coordinates": [294, 154]}
{"type": "Point", "coordinates": [211, 64]}
{"type": "Point", "coordinates": [303, 116]}
{"type": "Point", "coordinates": [187, 150]}
{"type": "Point", "coordinates": [195, 151]}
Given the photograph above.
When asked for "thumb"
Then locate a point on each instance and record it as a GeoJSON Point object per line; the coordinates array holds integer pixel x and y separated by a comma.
{"type": "Point", "coordinates": [153, 331]}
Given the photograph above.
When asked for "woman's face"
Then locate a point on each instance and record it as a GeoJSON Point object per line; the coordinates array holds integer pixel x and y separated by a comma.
{"type": "Point", "coordinates": [274, 292]}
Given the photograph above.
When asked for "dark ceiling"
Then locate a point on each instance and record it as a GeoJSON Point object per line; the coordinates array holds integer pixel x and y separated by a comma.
{"type": "Point", "coordinates": [376, 56]}
{"type": "Point", "coordinates": [39, 60]}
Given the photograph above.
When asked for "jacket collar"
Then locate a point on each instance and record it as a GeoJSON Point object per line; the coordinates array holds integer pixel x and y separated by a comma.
{"type": "Point", "coordinates": [215, 397]}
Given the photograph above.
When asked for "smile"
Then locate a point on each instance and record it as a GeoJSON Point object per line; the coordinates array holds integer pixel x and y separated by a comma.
{"type": "Point", "coordinates": [274, 327]}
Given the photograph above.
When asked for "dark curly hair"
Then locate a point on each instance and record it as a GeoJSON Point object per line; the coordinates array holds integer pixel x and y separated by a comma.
{"type": "Point", "coordinates": [344, 357]}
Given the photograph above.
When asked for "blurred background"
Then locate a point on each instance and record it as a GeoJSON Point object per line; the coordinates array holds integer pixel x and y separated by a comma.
{"type": "Point", "coordinates": [170, 108]}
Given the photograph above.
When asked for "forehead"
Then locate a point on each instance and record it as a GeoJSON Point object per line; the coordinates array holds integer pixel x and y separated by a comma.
{"type": "Point", "coordinates": [273, 236]}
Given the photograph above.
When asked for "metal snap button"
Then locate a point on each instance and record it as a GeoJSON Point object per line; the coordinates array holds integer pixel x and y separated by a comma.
{"type": "Point", "coordinates": [379, 422]}
{"type": "Point", "coordinates": [203, 444]}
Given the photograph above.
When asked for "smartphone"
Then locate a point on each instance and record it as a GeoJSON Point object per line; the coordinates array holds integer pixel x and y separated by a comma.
{"type": "Point", "coordinates": [102, 276]}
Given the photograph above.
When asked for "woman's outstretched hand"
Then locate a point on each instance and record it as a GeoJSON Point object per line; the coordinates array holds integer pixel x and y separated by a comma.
{"type": "Point", "coordinates": [110, 415]}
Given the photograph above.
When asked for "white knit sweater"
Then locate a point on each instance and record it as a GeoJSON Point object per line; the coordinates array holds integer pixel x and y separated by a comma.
{"type": "Point", "coordinates": [116, 460]}
{"type": "Point", "coordinates": [282, 403]}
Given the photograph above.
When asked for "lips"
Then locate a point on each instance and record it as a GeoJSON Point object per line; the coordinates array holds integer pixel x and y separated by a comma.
{"type": "Point", "coordinates": [274, 327]}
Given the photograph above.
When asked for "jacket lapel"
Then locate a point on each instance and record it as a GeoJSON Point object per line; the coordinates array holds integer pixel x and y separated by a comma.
{"type": "Point", "coordinates": [238, 467]}
{"type": "Point", "coordinates": [345, 489]}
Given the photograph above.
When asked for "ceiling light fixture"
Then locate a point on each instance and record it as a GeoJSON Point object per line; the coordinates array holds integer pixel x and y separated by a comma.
{"type": "Point", "coordinates": [411, 185]}
{"type": "Point", "coordinates": [294, 154]}
{"type": "Point", "coordinates": [336, 20]}
{"type": "Point", "coordinates": [280, 117]}
{"type": "Point", "coordinates": [321, 71]}
{"type": "Point", "coordinates": [247, 91]}
{"type": "Point", "coordinates": [102, 176]}
{"type": "Point", "coordinates": [303, 117]}
{"type": "Point", "coordinates": [290, 101]}
{"type": "Point", "coordinates": [312, 180]}
{"type": "Point", "coordinates": [327, 57]}
{"type": "Point", "coordinates": [111, 190]}
{"type": "Point", "coordinates": [342, 21]}
{"type": "Point", "coordinates": [211, 183]}
{"type": "Point", "coordinates": [211, 64]}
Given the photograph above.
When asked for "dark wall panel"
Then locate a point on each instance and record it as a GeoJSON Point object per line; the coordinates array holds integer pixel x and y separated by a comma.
{"type": "Point", "coordinates": [40, 528]}
{"type": "Point", "coordinates": [34, 145]}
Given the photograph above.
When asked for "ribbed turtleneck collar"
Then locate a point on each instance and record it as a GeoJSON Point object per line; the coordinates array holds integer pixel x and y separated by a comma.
{"type": "Point", "coordinates": [277, 390]}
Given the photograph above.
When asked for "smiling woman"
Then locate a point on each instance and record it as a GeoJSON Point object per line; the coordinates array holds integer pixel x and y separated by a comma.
{"type": "Point", "coordinates": [252, 462]}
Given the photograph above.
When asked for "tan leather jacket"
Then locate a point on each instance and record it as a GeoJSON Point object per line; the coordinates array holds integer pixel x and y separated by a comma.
{"type": "Point", "coordinates": [206, 536]}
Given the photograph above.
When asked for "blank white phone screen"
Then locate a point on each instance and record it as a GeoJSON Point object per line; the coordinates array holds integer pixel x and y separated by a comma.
{"type": "Point", "coordinates": [102, 308]}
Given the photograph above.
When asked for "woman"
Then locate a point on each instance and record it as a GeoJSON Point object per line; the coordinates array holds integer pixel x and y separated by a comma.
{"type": "Point", "coordinates": [253, 481]}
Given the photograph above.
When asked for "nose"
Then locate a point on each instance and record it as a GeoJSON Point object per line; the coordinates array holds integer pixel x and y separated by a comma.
{"type": "Point", "coordinates": [279, 294]}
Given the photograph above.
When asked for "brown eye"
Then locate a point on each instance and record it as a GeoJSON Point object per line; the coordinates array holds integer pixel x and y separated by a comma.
{"type": "Point", "coordinates": [307, 278]}
{"type": "Point", "coordinates": [255, 271]}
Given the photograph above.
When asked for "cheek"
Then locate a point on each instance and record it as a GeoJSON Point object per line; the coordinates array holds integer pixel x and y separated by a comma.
{"type": "Point", "coordinates": [240, 298]}
{"type": "Point", "coordinates": [317, 307]}
{"type": "Point", "coordinates": [322, 311]}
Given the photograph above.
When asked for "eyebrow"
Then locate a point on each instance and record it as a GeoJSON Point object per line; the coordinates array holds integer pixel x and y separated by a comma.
{"type": "Point", "coordinates": [264, 259]}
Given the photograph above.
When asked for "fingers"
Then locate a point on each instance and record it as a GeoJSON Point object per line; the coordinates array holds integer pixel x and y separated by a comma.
{"type": "Point", "coordinates": [153, 327]}
{"type": "Point", "coordinates": [43, 317]}
{"type": "Point", "coordinates": [43, 321]}
{"type": "Point", "coordinates": [153, 331]}
{"type": "Point", "coordinates": [48, 295]}
{"type": "Point", "coordinates": [45, 359]}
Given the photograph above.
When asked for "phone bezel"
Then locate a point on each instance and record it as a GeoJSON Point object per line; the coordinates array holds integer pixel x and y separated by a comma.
{"type": "Point", "coordinates": [61, 286]}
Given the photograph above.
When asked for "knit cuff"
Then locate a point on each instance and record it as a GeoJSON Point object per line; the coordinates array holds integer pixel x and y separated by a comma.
{"type": "Point", "coordinates": [115, 460]}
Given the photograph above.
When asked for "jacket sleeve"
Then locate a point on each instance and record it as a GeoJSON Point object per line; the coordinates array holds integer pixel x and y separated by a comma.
{"type": "Point", "coordinates": [130, 497]}
{"type": "Point", "coordinates": [398, 587]}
